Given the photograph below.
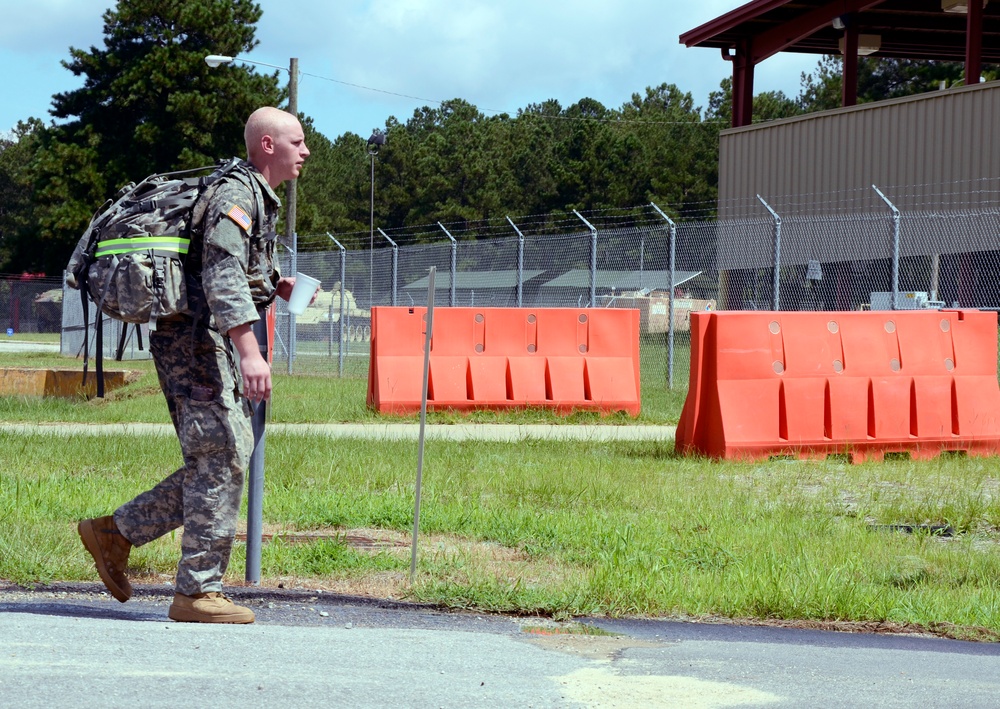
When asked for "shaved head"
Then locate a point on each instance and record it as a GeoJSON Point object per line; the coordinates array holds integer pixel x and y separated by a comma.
{"type": "Point", "coordinates": [275, 144]}
{"type": "Point", "coordinates": [266, 121]}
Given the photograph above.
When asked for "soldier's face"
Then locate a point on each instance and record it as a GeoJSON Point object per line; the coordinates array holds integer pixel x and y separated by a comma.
{"type": "Point", "coordinates": [289, 152]}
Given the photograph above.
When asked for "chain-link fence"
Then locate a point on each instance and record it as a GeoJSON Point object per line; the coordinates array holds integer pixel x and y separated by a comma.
{"type": "Point", "coordinates": [30, 305]}
{"type": "Point", "coordinates": [874, 248]}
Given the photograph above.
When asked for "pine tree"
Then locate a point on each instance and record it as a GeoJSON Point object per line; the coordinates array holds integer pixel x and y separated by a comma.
{"type": "Point", "coordinates": [149, 103]}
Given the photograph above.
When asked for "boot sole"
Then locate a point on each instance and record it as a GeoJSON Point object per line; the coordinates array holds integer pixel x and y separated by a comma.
{"type": "Point", "coordinates": [185, 616]}
{"type": "Point", "coordinates": [89, 538]}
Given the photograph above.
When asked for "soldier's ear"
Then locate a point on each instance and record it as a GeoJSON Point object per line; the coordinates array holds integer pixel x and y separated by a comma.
{"type": "Point", "coordinates": [267, 143]}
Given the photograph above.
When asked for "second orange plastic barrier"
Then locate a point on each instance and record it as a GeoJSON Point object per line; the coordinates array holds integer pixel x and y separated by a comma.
{"type": "Point", "coordinates": [496, 358]}
{"type": "Point", "coordinates": [857, 383]}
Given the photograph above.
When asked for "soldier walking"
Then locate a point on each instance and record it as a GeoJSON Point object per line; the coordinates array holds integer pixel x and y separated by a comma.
{"type": "Point", "coordinates": [232, 276]}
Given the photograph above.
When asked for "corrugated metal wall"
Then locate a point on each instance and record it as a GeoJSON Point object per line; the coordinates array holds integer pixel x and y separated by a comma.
{"type": "Point", "coordinates": [827, 162]}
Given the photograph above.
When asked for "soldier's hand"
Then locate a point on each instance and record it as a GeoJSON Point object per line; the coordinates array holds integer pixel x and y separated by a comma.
{"type": "Point", "coordinates": [256, 378]}
{"type": "Point", "coordinates": [284, 288]}
{"type": "Point", "coordinates": [254, 368]}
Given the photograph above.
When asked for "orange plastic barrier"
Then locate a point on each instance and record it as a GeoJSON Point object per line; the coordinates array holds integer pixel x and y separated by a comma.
{"type": "Point", "coordinates": [565, 359]}
{"type": "Point", "coordinates": [858, 383]}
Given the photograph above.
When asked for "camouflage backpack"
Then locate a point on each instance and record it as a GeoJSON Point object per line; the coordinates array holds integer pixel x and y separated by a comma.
{"type": "Point", "coordinates": [130, 260]}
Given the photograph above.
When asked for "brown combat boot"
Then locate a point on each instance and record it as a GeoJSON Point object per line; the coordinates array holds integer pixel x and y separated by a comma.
{"type": "Point", "coordinates": [212, 607]}
{"type": "Point", "coordinates": [110, 551]}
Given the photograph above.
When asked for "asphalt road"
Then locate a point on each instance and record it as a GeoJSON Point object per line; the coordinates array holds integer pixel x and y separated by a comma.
{"type": "Point", "coordinates": [74, 646]}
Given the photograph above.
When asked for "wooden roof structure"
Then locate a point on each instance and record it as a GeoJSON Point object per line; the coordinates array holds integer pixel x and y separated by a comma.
{"type": "Point", "coordinates": [952, 30]}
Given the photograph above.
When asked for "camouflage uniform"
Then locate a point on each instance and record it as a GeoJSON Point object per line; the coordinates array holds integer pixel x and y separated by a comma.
{"type": "Point", "coordinates": [202, 384]}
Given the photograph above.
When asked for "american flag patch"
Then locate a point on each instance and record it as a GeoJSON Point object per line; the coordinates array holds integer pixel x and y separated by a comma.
{"type": "Point", "coordinates": [240, 217]}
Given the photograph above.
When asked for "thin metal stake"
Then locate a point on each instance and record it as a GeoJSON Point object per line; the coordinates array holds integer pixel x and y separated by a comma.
{"type": "Point", "coordinates": [423, 419]}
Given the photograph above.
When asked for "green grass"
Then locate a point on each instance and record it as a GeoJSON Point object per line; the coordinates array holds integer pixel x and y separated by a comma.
{"type": "Point", "coordinates": [47, 337]}
{"type": "Point", "coordinates": [562, 528]}
{"type": "Point", "coordinates": [557, 528]}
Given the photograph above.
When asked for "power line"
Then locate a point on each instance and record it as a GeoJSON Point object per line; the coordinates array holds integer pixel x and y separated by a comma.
{"type": "Point", "coordinates": [617, 120]}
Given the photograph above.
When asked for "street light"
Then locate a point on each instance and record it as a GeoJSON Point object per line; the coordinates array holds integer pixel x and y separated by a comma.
{"type": "Point", "coordinates": [376, 141]}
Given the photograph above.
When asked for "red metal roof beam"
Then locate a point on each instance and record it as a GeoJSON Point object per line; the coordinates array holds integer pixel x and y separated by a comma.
{"type": "Point", "coordinates": [772, 41]}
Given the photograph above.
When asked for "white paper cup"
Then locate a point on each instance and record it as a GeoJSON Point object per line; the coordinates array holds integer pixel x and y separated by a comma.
{"type": "Point", "coordinates": [302, 293]}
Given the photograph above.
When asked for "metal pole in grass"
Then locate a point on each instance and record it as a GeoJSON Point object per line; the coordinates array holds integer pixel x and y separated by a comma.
{"type": "Point", "coordinates": [670, 298]}
{"type": "Point", "coordinates": [255, 486]}
{"type": "Point", "coordinates": [423, 418]}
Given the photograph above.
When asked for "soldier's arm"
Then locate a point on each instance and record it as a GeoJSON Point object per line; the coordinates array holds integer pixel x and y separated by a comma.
{"type": "Point", "coordinates": [254, 368]}
{"type": "Point", "coordinates": [225, 263]}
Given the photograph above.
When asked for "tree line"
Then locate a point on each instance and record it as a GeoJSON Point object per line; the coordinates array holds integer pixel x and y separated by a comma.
{"type": "Point", "coordinates": [150, 104]}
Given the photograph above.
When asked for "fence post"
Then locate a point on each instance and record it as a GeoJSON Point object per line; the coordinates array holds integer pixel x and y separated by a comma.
{"type": "Point", "coordinates": [291, 316]}
{"type": "Point", "coordinates": [593, 259]}
{"type": "Point", "coordinates": [670, 300]}
{"type": "Point", "coordinates": [895, 247]}
{"type": "Point", "coordinates": [454, 265]}
{"type": "Point", "coordinates": [394, 274]}
{"type": "Point", "coordinates": [520, 262]}
{"type": "Point", "coordinates": [776, 285]}
{"type": "Point", "coordinates": [343, 299]}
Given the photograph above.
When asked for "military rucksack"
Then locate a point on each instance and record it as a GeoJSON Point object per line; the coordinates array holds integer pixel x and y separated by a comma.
{"type": "Point", "coordinates": [130, 260]}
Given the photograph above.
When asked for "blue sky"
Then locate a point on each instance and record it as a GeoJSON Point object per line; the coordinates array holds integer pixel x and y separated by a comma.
{"type": "Point", "coordinates": [500, 55]}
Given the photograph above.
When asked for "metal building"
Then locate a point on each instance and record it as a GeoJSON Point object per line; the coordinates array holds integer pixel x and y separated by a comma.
{"type": "Point", "coordinates": [934, 154]}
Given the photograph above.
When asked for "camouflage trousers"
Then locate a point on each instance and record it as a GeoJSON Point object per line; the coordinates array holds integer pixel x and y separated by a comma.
{"type": "Point", "coordinates": [201, 383]}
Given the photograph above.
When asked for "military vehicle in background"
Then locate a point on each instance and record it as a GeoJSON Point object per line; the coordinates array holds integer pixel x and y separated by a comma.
{"type": "Point", "coordinates": [321, 320]}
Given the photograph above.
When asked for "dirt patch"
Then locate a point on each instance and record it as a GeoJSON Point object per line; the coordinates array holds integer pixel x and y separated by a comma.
{"type": "Point", "coordinates": [375, 539]}
{"type": "Point", "coordinates": [567, 639]}
{"type": "Point", "coordinates": [487, 558]}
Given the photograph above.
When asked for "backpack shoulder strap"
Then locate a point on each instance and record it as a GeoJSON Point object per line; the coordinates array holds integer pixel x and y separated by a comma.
{"type": "Point", "coordinates": [251, 182]}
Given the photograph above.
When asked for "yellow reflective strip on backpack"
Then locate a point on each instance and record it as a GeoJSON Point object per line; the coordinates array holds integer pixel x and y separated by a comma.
{"type": "Point", "coordinates": [114, 247]}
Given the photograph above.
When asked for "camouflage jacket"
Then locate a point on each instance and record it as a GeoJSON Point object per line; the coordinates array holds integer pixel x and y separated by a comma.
{"type": "Point", "coordinates": [232, 267]}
